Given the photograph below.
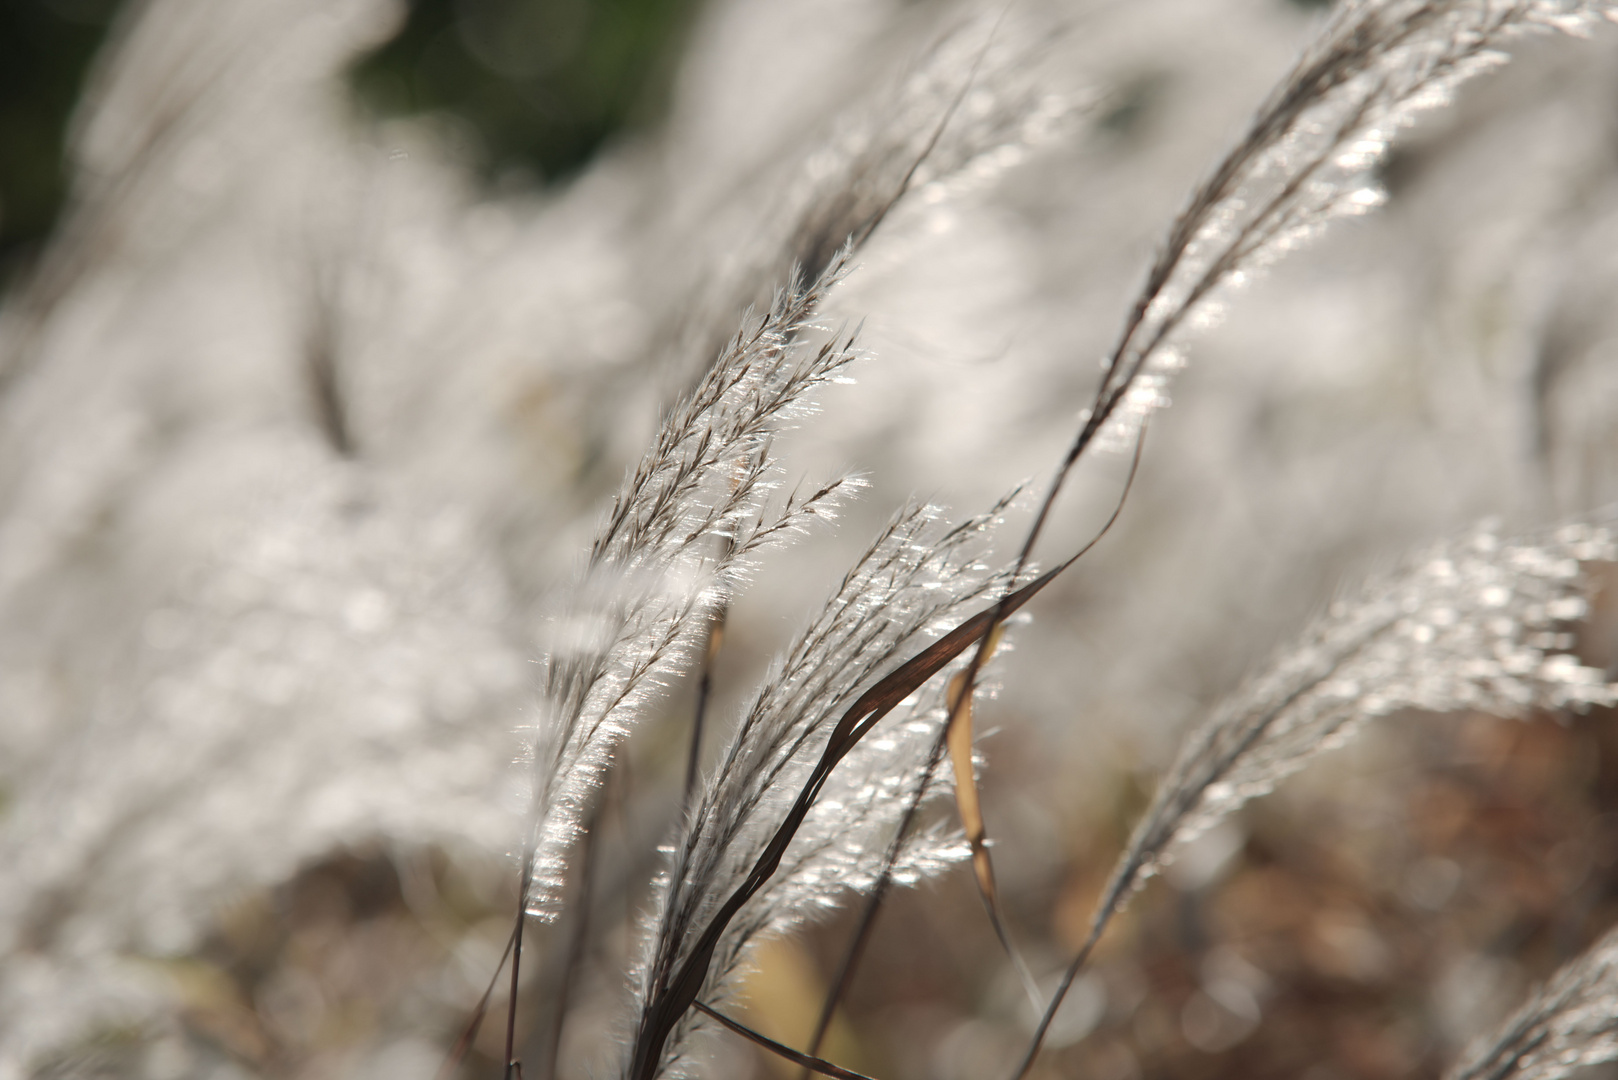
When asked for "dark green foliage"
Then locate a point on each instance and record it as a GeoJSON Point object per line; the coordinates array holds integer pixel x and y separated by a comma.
{"type": "Point", "coordinates": [543, 82]}
{"type": "Point", "coordinates": [45, 49]}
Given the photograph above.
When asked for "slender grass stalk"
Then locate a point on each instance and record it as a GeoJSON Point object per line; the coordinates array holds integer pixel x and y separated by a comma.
{"type": "Point", "coordinates": [808, 1061]}
{"type": "Point", "coordinates": [878, 893]}
{"type": "Point", "coordinates": [474, 1023]}
{"type": "Point", "coordinates": [1477, 624]}
{"type": "Point", "coordinates": [655, 579]}
{"type": "Point", "coordinates": [578, 944]}
{"type": "Point", "coordinates": [699, 712]}
{"type": "Point", "coordinates": [683, 956]}
{"type": "Point", "coordinates": [512, 1066]}
{"type": "Point", "coordinates": [1305, 160]}
{"type": "Point", "coordinates": [1566, 1026]}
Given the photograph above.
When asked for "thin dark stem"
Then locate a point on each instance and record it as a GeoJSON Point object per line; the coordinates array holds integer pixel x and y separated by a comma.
{"type": "Point", "coordinates": [512, 1067]}
{"type": "Point", "coordinates": [474, 1023]}
{"type": "Point", "coordinates": [980, 655]}
{"type": "Point", "coordinates": [873, 903]}
{"type": "Point", "coordinates": [693, 761]}
{"type": "Point", "coordinates": [1072, 972]}
{"type": "Point", "coordinates": [856, 947]}
{"type": "Point", "coordinates": [1127, 874]}
{"type": "Point", "coordinates": [675, 986]}
{"type": "Point", "coordinates": [863, 234]}
{"type": "Point", "coordinates": [576, 948]}
{"type": "Point", "coordinates": [808, 1061]}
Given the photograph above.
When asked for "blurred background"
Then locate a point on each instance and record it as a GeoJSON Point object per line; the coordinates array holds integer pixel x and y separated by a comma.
{"type": "Point", "coordinates": [329, 328]}
{"type": "Point", "coordinates": [533, 89]}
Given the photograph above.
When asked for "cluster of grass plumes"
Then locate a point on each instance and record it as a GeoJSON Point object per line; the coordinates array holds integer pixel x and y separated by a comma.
{"type": "Point", "coordinates": [272, 621]}
{"type": "Point", "coordinates": [1306, 159]}
{"type": "Point", "coordinates": [1414, 643]}
{"type": "Point", "coordinates": [669, 558]}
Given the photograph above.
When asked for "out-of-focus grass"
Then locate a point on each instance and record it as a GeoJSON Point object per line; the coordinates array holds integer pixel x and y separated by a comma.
{"type": "Point", "coordinates": [540, 86]}
{"type": "Point", "coordinates": [542, 83]}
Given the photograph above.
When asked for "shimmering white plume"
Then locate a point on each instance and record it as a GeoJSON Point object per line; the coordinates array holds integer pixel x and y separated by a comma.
{"type": "Point", "coordinates": [1307, 158]}
{"type": "Point", "coordinates": [911, 585]}
{"type": "Point", "coordinates": [1478, 624]}
{"type": "Point", "coordinates": [971, 107]}
{"type": "Point", "coordinates": [668, 556]}
{"type": "Point", "coordinates": [1572, 1022]}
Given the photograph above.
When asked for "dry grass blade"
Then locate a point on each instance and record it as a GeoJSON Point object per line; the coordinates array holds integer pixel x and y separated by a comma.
{"type": "Point", "coordinates": [912, 582]}
{"type": "Point", "coordinates": [667, 558]}
{"type": "Point", "coordinates": [958, 741]}
{"type": "Point", "coordinates": [958, 738]}
{"type": "Point", "coordinates": [670, 1001]}
{"type": "Point", "coordinates": [856, 945]}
